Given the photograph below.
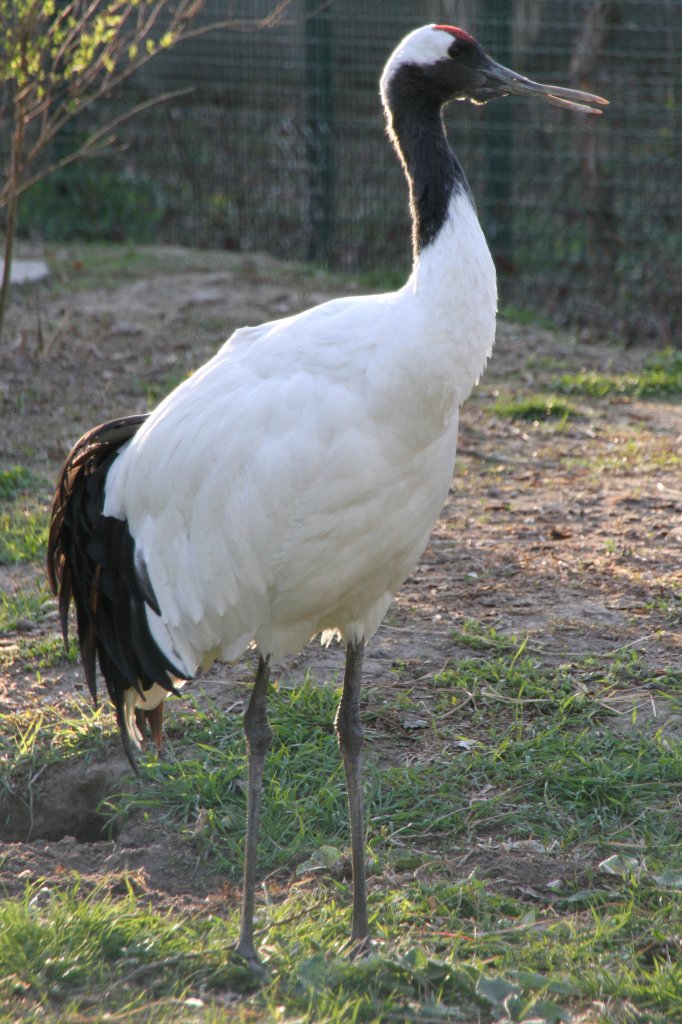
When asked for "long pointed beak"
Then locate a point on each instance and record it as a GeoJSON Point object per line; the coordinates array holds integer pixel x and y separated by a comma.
{"type": "Point", "coordinates": [506, 81]}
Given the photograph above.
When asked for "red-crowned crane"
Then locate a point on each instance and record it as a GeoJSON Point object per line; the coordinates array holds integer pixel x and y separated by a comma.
{"type": "Point", "coordinates": [289, 487]}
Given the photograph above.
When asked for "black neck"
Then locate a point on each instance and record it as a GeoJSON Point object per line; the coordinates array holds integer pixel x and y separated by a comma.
{"type": "Point", "coordinates": [432, 169]}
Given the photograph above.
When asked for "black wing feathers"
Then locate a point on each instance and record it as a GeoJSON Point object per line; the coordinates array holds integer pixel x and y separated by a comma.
{"type": "Point", "coordinates": [91, 560]}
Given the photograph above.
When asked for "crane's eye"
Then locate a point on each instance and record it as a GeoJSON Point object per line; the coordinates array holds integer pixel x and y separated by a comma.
{"type": "Point", "coordinates": [455, 48]}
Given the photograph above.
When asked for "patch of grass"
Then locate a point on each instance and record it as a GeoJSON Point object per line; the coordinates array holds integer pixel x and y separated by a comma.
{"type": "Point", "coordinates": [57, 943]}
{"type": "Point", "coordinates": [621, 669]}
{"type": "Point", "coordinates": [380, 278]}
{"type": "Point", "coordinates": [82, 265]}
{"type": "Point", "coordinates": [576, 787]}
{"type": "Point", "coordinates": [23, 533]}
{"type": "Point", "coordinates": [478, 637]}
{"type": "Point", "coordinates": [661, 377]}
{"type": "Point", "coordinates": [488, 688]}
{"type": "Point", "coordinates": [15, 481]}
{"type": "Point", "coordinates": [668, 604]}
{"type": "Point", "coordinates": [626, 455]}
{"type": "Point", "coordinates": [40, 652]}
{"type": "Point", "coordinates": [544, 361]}
{"type": "Point", "coordinates": [537, 746]}
{"type": "Point", "coordinates": [203, 790]}
{"type": "Point", "coordinates": [535, 408]}
{"type": "Point", "coordinates": [597, 385]}
{"type": "Point", "coordinates": [482, 956]}
{"type": "Point", "coordinates": [24, 516]}
{"type": "Point", "coordinates": [24, 605]}
{"type": "Point", "coordinates": [542, 764]}
{"type": "Point", "coordinates": [527, 317]}
{"type": "Point", "coordinates": [29, 741]}
{"type": "Point", "coordinates": [89, 265]}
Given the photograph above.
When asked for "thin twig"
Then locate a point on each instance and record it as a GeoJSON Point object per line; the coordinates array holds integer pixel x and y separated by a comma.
{"type": "Point", "coordinates": [155, 965]}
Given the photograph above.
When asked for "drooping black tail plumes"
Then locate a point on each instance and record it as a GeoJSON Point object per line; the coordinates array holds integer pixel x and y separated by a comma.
{"type": "Point", "coordinates": [91, 560]}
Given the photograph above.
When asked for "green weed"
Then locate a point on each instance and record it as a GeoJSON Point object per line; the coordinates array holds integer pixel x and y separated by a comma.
{"type": "Point", "coordinates": [15, 481]}
{"type": "Point", "coordinates": [378, 278]}
{"type": "Point", "coordinates": [539, 747]}
{"type": "Point", "coordinates": [24, 605]}
{"type": "Point", "coordinates": [483, 956]}
{"type": "Point", "coordinates": [668, 604]}
{"type": "Point", "coordinates": [39, 652]}
{"type": "Point", "coordinates": [202, 791]}
{"type": "Point", "coordinates": [534, 408]}
{"type": "Point", "coordinates": [23, 516]}
{"type": "Point", "coordinates": [23, 533]}
{"type": "Point", "coordinates": [55, 943]}
{"type": "Point", "coordinates": [661, 377]}
{"type": "Point", "coordinates": [481, 638]}
{"type": "Point", "coordinates": [28, 741]}
{"type": "Point", "coordinates": [527, 317]}
{"type": "Point", "coordinates": [628, 455]}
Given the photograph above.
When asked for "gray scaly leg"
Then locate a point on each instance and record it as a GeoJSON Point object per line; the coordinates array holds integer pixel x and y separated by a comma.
{"type": "Point", "coordinates": [351, 737]}
{"type": "Point", "coordinates": [258, 738]}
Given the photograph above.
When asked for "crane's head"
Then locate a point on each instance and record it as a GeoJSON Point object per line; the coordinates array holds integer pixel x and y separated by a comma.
{"type": "Point", "coordinates": [445, 63]}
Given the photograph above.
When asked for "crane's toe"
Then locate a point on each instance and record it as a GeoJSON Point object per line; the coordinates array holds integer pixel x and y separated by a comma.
{"type": "Point", "coordinates": [245, 954]}
{"type": "Point", "coordinates": [152, 717]}
{"type": "Point", "coordinates": [359, 948]}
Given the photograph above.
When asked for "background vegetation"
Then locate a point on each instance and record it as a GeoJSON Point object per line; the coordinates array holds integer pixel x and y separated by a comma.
{"type": "Point", "coordinates": [279, 146]}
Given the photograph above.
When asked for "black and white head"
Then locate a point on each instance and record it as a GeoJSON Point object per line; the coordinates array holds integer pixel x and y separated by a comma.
{"type": "Point", "coordinates": [439, 63]}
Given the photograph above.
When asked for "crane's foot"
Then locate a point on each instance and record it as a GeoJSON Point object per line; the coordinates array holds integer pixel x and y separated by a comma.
{"type": "Point", "coordinates": [245, 954]}
{"type": "Point", "coordinates": [357, 949]}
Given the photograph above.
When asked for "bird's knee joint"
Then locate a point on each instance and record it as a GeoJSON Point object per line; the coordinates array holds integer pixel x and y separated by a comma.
{"type": "Point", "coordinates": [351, 735]}
{"type": "Point", "coordinates": [258, 733]}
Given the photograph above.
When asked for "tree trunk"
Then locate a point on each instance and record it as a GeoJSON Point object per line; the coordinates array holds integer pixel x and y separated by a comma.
{"type": "Point", "coordinates": [12, 206]}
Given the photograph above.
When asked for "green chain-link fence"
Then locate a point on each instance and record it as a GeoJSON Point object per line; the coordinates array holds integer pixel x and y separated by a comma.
{"type": "Point", "coordinates": [280, 146]}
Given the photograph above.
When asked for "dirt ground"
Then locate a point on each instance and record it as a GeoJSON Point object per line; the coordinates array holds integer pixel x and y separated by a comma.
{"type": "Point", "coordinates": [570, 537]}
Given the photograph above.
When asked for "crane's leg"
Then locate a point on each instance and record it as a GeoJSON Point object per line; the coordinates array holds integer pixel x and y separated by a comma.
{"type": "Point", "coordinates": [351, 737]}
{"type": "Point", "coordinates": [258, 738]}
{"type": "Point", "coordinates": [152, 717]}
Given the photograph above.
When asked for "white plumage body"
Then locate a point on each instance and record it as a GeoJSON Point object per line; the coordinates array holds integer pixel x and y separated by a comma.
{"type": "Point", "coordinates": [291, 484]}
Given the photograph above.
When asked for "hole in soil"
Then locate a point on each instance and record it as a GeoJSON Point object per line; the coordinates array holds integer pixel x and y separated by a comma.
{"type": "Point", "coordinates": [64, 802]}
